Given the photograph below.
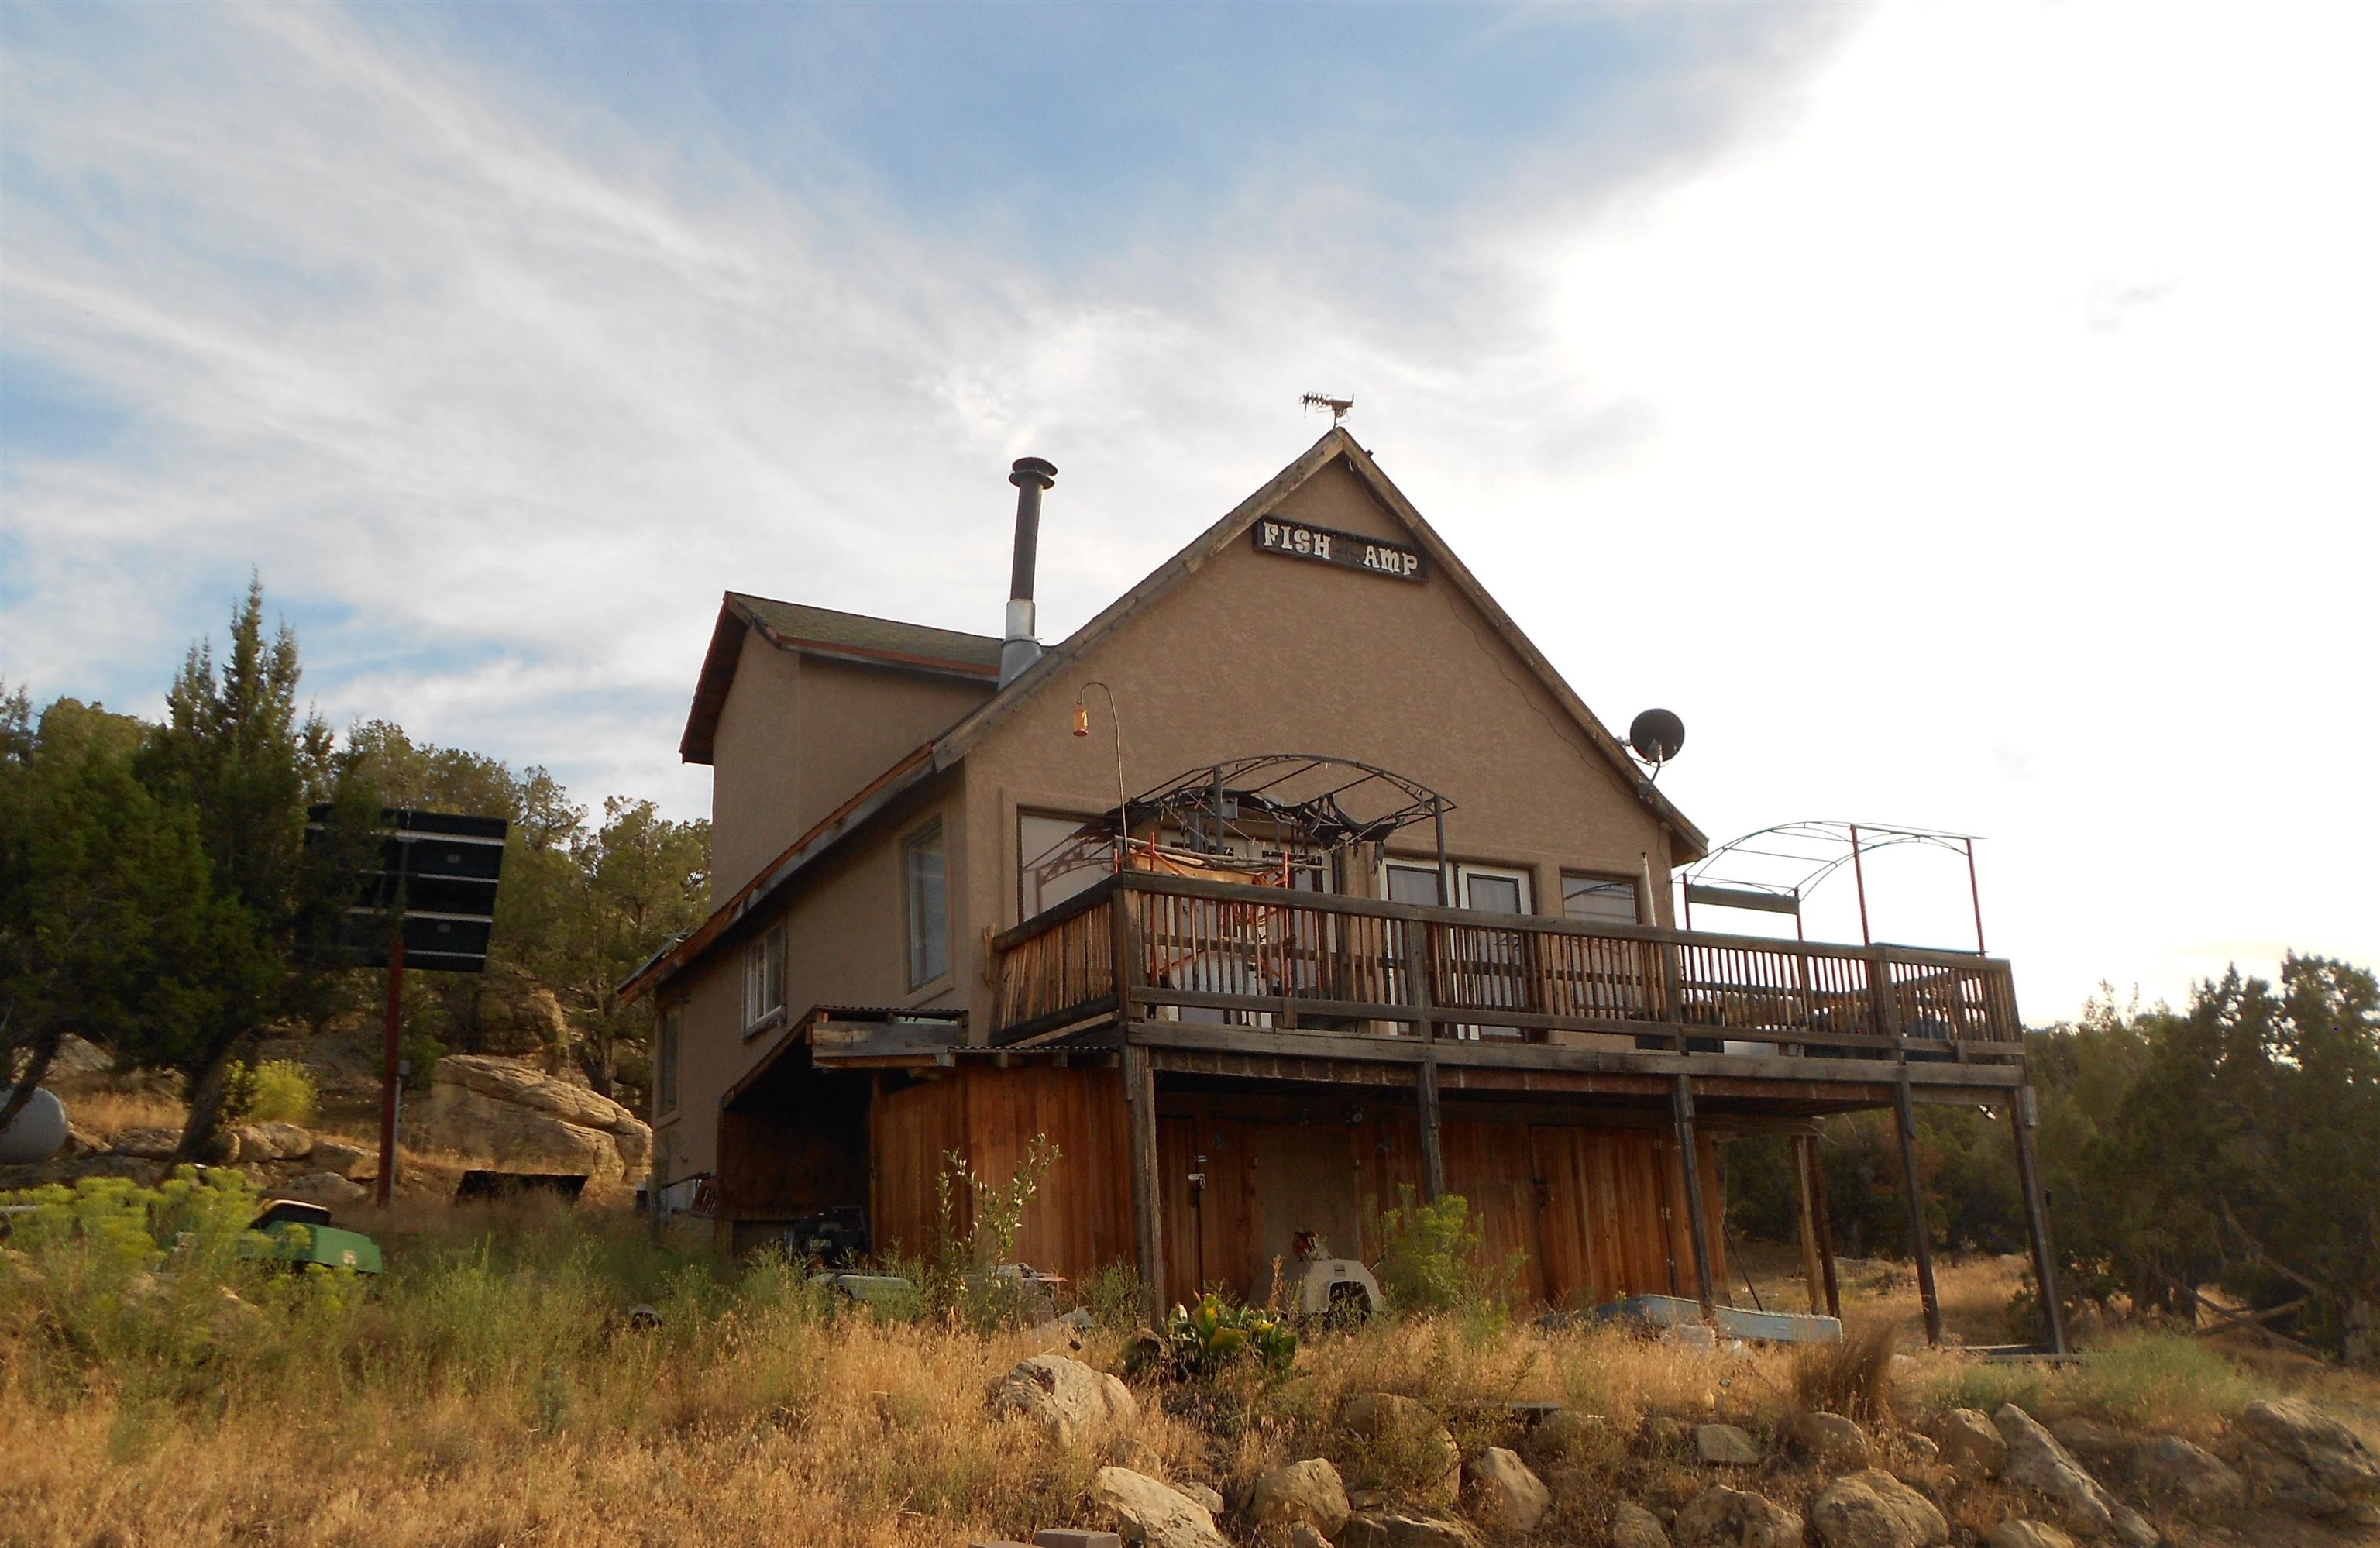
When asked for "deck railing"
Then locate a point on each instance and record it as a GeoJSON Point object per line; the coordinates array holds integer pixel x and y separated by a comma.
{"type": "Point", "coordinates": [1192, 950]}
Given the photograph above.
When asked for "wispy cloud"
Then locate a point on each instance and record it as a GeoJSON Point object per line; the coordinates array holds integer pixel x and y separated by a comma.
{"type": "Point", "coordinates": [1947, 408]}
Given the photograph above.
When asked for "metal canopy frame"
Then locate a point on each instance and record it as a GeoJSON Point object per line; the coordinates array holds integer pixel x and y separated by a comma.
{"type": "Point", "coordinates": [1808, 853]}
{"type": "Point", "coordinates": [1306, 804]}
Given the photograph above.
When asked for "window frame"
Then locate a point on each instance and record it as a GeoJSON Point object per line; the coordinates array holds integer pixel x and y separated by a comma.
{"type": "Point", "coordinates": [1600, 879]}
{"type": "Point", "coordinates": [764, 974]}
{"type": "Point", "coordinates": [669, 1043]}
{"type": "Point", "coordinates": [926, 944]}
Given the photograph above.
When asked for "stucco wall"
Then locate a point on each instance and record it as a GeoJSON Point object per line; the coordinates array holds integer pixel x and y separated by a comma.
{"type": "Point", "coordinates": [799, 735]}
{"type": "Point", "coordinates": [847, 944]}
{"type": "Point", "coordinates": [1258, 652]}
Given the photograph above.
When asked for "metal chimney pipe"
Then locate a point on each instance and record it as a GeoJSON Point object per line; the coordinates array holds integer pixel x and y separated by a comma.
{"type": "Point", "coordinates": [1020, 649]}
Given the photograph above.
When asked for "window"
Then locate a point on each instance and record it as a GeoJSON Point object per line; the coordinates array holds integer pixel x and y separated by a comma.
{"type": "Point", "coordinates": [764, 977]}
{"type": "Point", "coordinates": [1055, 861]}
{"type": "Point", "coordinates": [665, 1060]}
{"type": "Point", "coordinates": [1609, 899]}
{"type": "Point", "coordinates": [930, 914]}
{"type": "Point", "coordinates": [1414, 883]}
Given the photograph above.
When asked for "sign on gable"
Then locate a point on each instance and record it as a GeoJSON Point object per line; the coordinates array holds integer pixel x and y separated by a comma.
{"type": "Point", "coordinates": [1344, 549]}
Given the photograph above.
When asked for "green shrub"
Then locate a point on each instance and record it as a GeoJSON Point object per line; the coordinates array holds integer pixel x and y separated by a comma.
{"type": "Point", "coordinates": [276, 1091]}
{"type": "Point", "coordinates": [1428, 1253]}
{"type": "Point", "coordinates": [1198, 1341]}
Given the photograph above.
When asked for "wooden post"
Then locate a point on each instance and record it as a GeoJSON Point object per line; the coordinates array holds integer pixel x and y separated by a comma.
{"type": "Point", "coordinates": [1148, 1201]}
{"type": "Point", "coordinates": [392, 1024]}
{"type": "Point", "coordinates": [2025, 1115]}
{"type": "Point", "coordinates": [1806, 1215]}
{"type": "Point", "coordinates": [1682, 1109]}
{"type": "Point", "coordinates": [1825, 1230]}
{"type": "Point", "coordinates": [1433, 1160]}
{"type": "Point", "coordinates": [1417, 987]}
{"type": "Point", "coordinates": [1921, 1249]}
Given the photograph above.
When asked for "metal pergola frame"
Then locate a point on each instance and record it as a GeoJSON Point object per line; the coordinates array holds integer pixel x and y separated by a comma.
{"type": "Point", "coordinates": [1817, 849]}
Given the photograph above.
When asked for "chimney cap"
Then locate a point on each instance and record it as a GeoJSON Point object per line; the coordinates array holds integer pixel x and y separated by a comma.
{"type": "Point", "coordinates": [1033, 468]}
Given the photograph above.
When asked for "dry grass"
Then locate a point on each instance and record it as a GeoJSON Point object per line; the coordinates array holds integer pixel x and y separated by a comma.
{"type": "Point", "coordinates": [108, 1113]}
{"type": "Point", "coordinates": [485, 1393]}
{"type": "Point", "coordinates": [1852, 1378]}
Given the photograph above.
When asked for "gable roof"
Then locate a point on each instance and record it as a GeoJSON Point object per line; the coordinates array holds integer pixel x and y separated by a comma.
{"type": "Point", "coordinates": [823, 631]}
{"type": "Point", "coordinates": [946, 751]}
{"type": "Point", "coordinates": [1335, 443]}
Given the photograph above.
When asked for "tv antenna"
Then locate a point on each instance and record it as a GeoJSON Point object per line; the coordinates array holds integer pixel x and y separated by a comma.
{"type": "Point", "coordinates": [1338, 406]}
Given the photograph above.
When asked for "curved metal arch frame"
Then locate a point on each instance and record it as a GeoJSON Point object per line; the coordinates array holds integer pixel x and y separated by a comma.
{"type": "Point", "coordinates": [1856, 839]}
{"type": "Point", "coordinates": [1207, 805]}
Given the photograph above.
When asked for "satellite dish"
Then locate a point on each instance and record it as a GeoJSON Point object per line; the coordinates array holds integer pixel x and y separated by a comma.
{"type": "Point", "coordinates": [1657, 735]}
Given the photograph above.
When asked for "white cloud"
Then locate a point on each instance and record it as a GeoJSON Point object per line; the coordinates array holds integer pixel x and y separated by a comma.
{"type": "Point", "coordinates": [1976, 442]}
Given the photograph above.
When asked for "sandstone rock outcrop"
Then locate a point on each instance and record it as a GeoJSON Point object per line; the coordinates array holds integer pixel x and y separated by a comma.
{"type": "Point", "coordinates": [2301, 1459]}
{"type": "Point", "coordinates": [524, 1120]}
{"type": "Point", "coordinates": [2036, 1461]}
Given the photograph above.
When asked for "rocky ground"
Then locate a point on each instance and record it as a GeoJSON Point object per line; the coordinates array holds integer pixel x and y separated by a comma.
{"type": "Point", "coordinates": [2284, 1473]}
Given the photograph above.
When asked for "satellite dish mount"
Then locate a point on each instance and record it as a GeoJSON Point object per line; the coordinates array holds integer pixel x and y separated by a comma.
{"type": "Point", "coordinates": [1654, 737]}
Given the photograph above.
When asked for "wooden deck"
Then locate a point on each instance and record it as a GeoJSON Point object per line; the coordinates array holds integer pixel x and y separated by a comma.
{"type": "Point", "coordinates": [1264, 970]}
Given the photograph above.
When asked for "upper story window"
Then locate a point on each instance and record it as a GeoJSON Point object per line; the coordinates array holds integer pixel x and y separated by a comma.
{"type": "Point", "coordinates": [1607, 899]}
{"type": "Point", "coordinates": [1491, 889]}
{"type": "Point", "coordinates": [665, 1048]}
{"type": "Point", "coordinates": [924, 881]}
{"type": "Point", "coordinates": [764, 976]}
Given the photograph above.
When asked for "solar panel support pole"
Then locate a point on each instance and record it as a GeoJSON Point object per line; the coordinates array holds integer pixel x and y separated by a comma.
{"type": "Point", "coordinates": [394, 1021]}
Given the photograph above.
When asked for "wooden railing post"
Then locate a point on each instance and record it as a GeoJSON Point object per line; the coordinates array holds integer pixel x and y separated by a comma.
{"type": "Point", "coordinates": [1673, 990]}
{"type": "Point", "coordinates": [1123, 951]}
{"type": "Point", "coordinates": [1417, 990]}
{"type": "Point", "coordinates": [1884, 1003]}
{"type": "Point", "coordinates": [2025, 1115]}
{"type": "Point", "coordinates": [1682, 1111]}
{"type": "Point", "coordinates": [1905, 1118]}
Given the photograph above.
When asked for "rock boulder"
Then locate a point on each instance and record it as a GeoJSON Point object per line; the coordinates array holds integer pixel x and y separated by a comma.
{"type": "Point", "coordinates": [526, 1120]}
{"type": "Point", "coordinates": [2036, 1461]}
{"type": "Point", "coordinates": [2303, 1459]}
{"type": "Point", "coordinates": [1309, 1491]}
{"type": "Point", "coordinates": [1831, 1440]}
{"type": "Point", "coordinates": [1505, 1495]}
{"type": "Point", "coordinates": [1971, 1445]}
{"type": "Point", "coordinates": [1149, 1513]}
{"type": "Point", "coordinates": [1724, 1517]}
{"type": "Point", "coordinates": [1725, 1445]}
{"type": "Point", "coordinates": [1873, 1509]}
{"type": "Point", "coordinates": [1069, 1401]}
{"type": "Point", "coordinates": [2027, 1534]}
{"type": "Point", "coordinates": [2170, 1468]}
{"type": "Point", "coordinates": [1632, 1526]}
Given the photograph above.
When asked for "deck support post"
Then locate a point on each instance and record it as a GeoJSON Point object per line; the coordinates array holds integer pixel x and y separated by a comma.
{"type": "Point", "coordinates": [1148, 1201]}
{"type": "Point", "coordinates": [1417, 991]}
{"type": "Point", "coordinates": [1905, 1124]}
{"type": "Point", "coordinates": [1805, 1216]}
{"type": "Point", "coordinates": [1433, 1160]}
{"type": "Point", "coordinates": [1682, 1109]}
{"type": "Point", "coordinates": [2025, 1115]}
{"type": "Point", "coordinates": [1826, 1216]}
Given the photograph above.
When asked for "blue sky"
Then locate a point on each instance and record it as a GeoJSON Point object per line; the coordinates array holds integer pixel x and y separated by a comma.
{"type": "Point", "coordinates": [1980, 362]}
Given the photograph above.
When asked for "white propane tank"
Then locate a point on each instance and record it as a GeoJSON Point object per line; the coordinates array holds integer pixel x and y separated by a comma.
{"type": "Point", "coordinates": [35, 1134]}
